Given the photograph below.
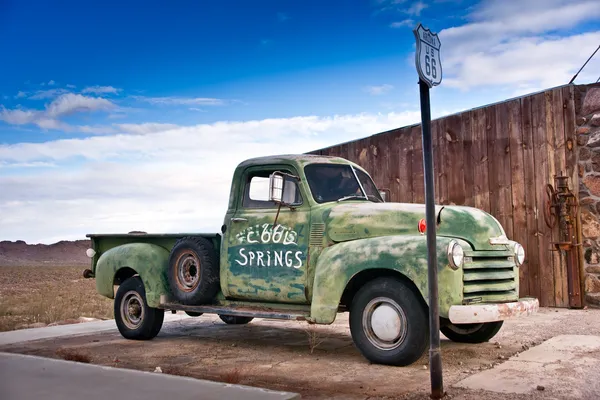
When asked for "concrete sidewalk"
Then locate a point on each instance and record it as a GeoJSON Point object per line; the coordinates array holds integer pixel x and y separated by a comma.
{"type": "Point", "coordinates": [564, 367]}
{"type": "Point", "coordinates": [83, 328]}
{"type": "Point", "coordinates": [28, 377]}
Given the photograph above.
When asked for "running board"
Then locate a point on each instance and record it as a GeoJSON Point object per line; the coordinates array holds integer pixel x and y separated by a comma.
{"type": "Point", "coordinates": [238, 311]}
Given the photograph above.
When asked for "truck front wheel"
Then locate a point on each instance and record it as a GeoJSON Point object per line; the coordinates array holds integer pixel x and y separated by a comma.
{"type": "Point", "coordinates": [388, 323]}
{"type": "Point", "coordinates": [134, 318]}
{"type": "Point", "coordinates": [471, 333]}
{"type": "Point", "coordinates": [235, 319]}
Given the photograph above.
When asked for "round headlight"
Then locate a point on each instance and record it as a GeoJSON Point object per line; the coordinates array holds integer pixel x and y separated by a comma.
{"type": "Point", "coordinates": [90, 253]}
{"type": "Point", "coordinates": [456, 255]}
{"type": "Point", "coordinates": [519, 254]}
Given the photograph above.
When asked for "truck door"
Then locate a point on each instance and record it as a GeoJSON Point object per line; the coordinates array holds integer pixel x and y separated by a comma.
{"type": "Point", "coordinates": [267, 261]}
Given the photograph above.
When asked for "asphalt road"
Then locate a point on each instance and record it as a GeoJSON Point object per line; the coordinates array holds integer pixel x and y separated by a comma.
{"type": "Point", "coordinates": [28, 377]}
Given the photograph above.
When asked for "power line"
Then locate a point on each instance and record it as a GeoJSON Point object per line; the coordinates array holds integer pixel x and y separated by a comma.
{"type": "Point", "coordinates": [583, 66]}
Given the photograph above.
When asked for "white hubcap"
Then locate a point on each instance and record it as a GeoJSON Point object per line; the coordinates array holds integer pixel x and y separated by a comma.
{"type": "Point", "coordinates": [386, 323]}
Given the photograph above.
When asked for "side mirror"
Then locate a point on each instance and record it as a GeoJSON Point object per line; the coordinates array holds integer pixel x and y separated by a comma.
{"type": "Point", "coordinates": [276, 187]}
{"type": "Point", "coordinates": [383, 194]}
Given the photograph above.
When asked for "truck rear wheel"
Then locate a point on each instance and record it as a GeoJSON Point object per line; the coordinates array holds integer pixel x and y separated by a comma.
{"type": "Point", "coordinates": [388, 323]}
{"type": "Point", "coordinates": [193, 271]}
{"type": "Point", "coordinates": [471, 333]}
{"type": "Point", "coordinates": [135, 319]}
{"type": "Point", "coordinates": [235, 319]}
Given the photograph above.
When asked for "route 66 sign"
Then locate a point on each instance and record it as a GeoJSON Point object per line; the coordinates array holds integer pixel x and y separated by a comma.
{"type": "Point", "coordinates": [427, 57]}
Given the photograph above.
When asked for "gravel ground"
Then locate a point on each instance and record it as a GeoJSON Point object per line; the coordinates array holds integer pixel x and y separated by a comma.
{"type": "Point", "coordinates": [317, 361]}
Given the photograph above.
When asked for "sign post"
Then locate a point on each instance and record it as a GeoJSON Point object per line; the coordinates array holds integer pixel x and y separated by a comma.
{"type": "Point", "coordinates": [429, 68]}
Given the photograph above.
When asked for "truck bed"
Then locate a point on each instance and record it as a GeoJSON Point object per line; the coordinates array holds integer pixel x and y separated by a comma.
{"type": "Point", "coordinates": [102, 242]}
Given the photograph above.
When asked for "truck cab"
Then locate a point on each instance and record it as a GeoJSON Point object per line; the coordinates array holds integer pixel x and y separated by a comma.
{"type": "Point", "coordinates": [306, 237]}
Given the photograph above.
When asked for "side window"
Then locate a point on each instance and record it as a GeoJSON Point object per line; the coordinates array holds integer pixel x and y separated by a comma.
{"type": "Point", "coordinates": [256, 193]}
{"type": "Point", "coordinates": [259, 188]}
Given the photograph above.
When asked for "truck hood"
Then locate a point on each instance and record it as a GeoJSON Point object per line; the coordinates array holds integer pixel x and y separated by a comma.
{"type": "Point", "coordinates": [351, 221]}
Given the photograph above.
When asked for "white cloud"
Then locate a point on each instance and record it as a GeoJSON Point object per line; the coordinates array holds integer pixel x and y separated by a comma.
{"type": "Point", "coordinates": [51, 82]}
{"type": "Point", "coordinates": [64, 105]}
{"type": "Point", "coordinates": [403, 23]}
{"type": "Point", "coordinates": [416, 8]}
{"type": "Point", "coordinates": [158, 177]}
{"type": "Point", "coordinates": [101, 90]}
{"type": "Point", "coordinates": [378, 90]}
{"type": "Point", "coordinates": [48, 94]}
{"type": "Point", "coordinates": [17, 116]}
{"type": "Point", "coordinates": [71, 86]}
{"type": "Point", "coordinates": [199, 101]}
{"type": "Point", "coordinates": [525, 63]}
{"type": "Point", "coordinates": [20, 95]}
{"type": "Point", "coordinates": [71, 103]}
{"type": "Point", "coordinates": [36, 164]}
{"type": "Point", "coordinates": [511, 43]}
{"type": "Point", "coordinates": [96, 130]}
{"type": "Point", "coordinates": [146, 128]}
{"type": "Point", "coordinates": [51, 123]}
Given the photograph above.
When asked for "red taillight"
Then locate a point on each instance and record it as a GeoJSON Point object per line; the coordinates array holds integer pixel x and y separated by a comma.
{"type": "Point", "coordinates": [422, 226]}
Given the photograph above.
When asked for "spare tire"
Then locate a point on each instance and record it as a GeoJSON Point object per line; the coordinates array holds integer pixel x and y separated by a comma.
{"type": "Point", "coordinates": [193, 273]}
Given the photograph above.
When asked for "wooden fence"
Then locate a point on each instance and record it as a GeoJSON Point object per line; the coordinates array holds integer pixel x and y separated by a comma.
{"type": "Point", "coordinates": [498, 158]}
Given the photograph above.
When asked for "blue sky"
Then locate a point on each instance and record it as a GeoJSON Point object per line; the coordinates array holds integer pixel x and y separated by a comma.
{"type": "Point", "coordinates": [104, 104]}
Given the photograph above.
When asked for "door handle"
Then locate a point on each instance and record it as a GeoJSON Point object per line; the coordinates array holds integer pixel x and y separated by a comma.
{"type": "Point", "coordinates": [239, 220]}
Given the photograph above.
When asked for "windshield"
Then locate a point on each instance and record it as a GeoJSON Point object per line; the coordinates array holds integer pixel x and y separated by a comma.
{"type": "Point", "coordinates": [336, 182]}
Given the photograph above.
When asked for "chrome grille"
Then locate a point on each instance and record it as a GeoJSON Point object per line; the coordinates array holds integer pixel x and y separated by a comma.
{"type": "Point", "coordinates": [489, 277]}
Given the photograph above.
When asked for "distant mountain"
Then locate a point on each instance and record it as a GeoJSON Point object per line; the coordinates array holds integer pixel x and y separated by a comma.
{"type": "Point", "coordinates": [63, 253]}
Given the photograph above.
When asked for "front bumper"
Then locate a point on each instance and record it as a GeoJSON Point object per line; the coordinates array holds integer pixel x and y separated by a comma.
{"type": "Point", "coordinates": [478, 313]}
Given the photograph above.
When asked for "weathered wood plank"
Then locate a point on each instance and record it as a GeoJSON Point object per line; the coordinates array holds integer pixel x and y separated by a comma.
{"type": "Point", "coordinates": [501, 161]}
{"type": "Point", "coordinates": [552, 171]}
{"type": "Point", "coordinates": [404, 178]}
{"type": "Point", "coordinates": [443, 169]}
{"type": "Point", "coordinates": [561, 291]}
{"type": "Point", "coordinates": [469, 162]}
{"type": "Point", "coordinates": [382, 161]}
{"type": "Point", "coordinates": [455, 160]}
{"type": "Point", "coordinates": [529, 273]}
{"type": "Point", "coordinates": [374, 146]}
{"type": "Point", "coordinates": [575, 296]}
{"type": "Point", "coordinates": [481, 188]}
{"type": "Point", "coordinates": [437, 161]}
{"type": "Point", "coordinates": [362, 154]}
{"type": "Point", "coordinates": [394, 163]}
{"type": "Point", "coordinates": [519, 219]}
{"type": "Point", "coordinates": [543, 177]}
{"type": "Point", "coordinates": [417, 165]}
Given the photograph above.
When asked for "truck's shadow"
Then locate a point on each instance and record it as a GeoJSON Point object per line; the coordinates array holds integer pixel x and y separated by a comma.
{"type": "Point", "coordinates": [291, 337]}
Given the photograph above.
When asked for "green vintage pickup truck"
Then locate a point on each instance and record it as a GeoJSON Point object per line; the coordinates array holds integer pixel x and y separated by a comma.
{"type": "Point", "coordinates": [306, 237]}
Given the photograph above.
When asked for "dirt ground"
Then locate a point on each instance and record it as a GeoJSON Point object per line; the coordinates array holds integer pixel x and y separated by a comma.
{"type": "Point", "coordinates": [37, 296]}
{"type": "Point", "coordinates": [316, 361]}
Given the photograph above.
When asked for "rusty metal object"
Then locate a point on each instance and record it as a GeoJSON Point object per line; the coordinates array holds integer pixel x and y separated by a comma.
{"type": "Point", "coordinates": [561, 209]}
{"type": "Point", "coordinates": [88, 274]}
{"type": "Point", "coordinates": [481, 313]}
{"type": "Point", "coordinates": [188, 271]}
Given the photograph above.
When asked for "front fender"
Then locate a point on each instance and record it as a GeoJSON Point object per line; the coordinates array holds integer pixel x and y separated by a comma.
{"type": "Point", "coordinates": [148, 260]}
{"type": "Point", "coordinates": [405, 254]}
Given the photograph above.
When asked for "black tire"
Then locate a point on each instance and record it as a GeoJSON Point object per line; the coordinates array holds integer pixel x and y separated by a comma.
{"type": "Point", "coordinates": [193, 274]}
{"type": "Point", "coordinates": [235, 320]}
{"type": "Point", "coordinates": [471, 333]}
{"type": "Point", "coordinates": [134, 318]}
{"type": "Point", "coordinates": [193, 313]}
{"type": "Point", "coordinates": [412, 337]}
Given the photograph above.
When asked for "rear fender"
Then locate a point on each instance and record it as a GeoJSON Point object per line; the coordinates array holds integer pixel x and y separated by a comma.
{"type": "Point", "coordinates": [407, 255]}
{"type": "Point", "coordinates": [149, 261]}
